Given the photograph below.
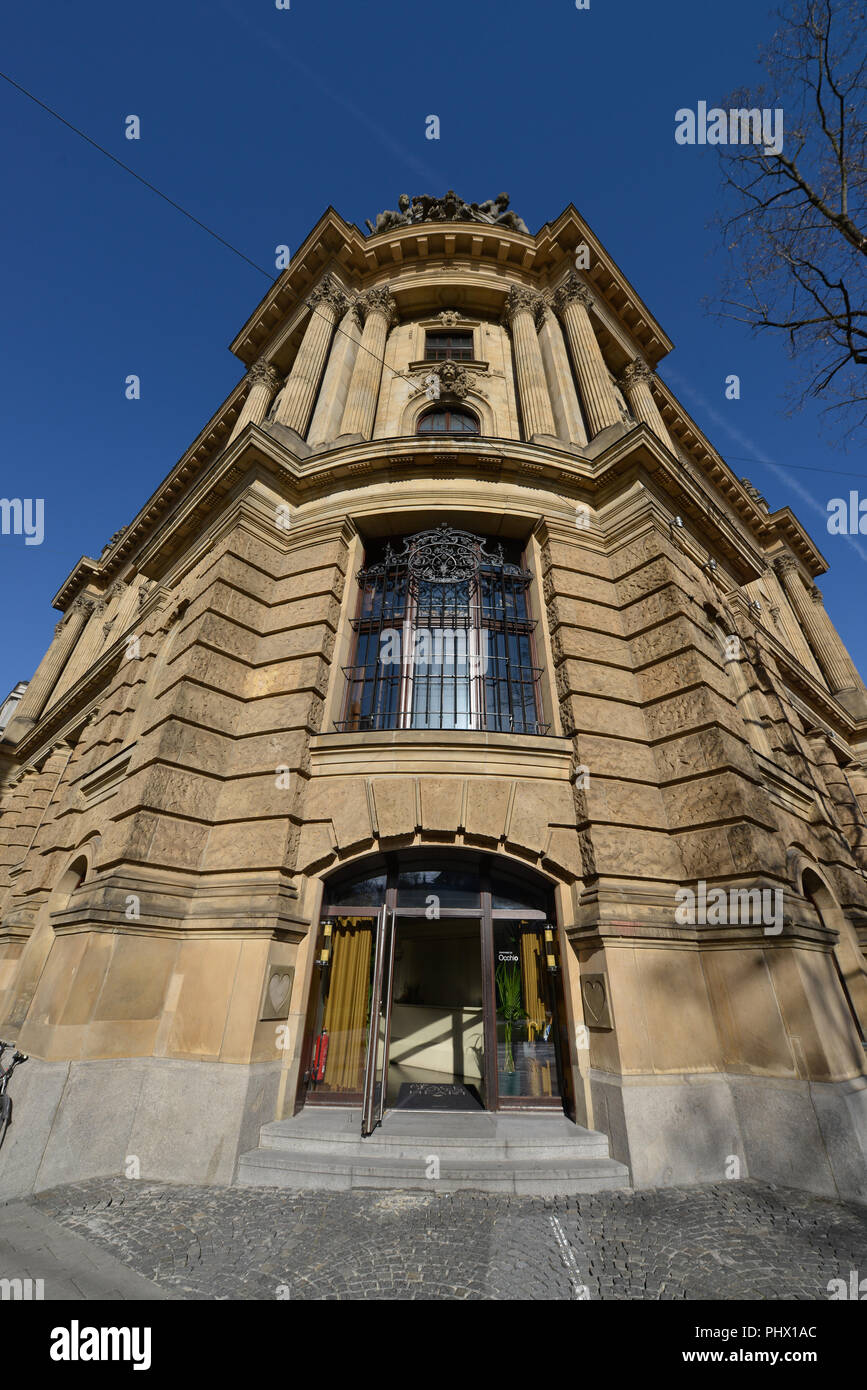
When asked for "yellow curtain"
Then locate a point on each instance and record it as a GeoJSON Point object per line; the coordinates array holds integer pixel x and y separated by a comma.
{"type": "Point", "coordinates": [532, 949]}
{"type": "Point", "coordinates": [346, 1006]}
{"type": "Point", "coordinates": [531, 976]}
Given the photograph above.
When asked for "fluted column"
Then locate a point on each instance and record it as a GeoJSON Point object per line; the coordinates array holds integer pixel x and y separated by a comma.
{"type": "Point", "coordinates": [295, 402]}
{"type": "Point", "coordinates": [573, 301]}
{"type": "Point", "coordinates": [635, 383]}
{"type": "Point", "coordinates": [524, 311]}
{"type": "Point", "coordinates": [38, 692]}
{"type": "Point", "coordinates": [849, 813]}
{"type": "Point", "coordinates": [379, 312]}
{"type": "Point", "coordinates": [830, 653]}
{"type": "Point", "coordinates": [264, 381]}
{"type": "Point", "coordinates": [568, 420]}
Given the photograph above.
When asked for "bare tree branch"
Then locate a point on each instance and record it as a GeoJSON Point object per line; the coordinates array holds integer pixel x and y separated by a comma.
{"type": "Point", "coordinates": [794, 220]}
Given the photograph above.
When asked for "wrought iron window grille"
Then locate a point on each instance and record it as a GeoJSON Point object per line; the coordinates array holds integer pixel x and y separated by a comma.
{"type": "Point", "coordinates": [444, 640]}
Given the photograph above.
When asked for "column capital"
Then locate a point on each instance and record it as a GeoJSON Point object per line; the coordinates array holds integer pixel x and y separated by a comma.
{"type": "Point", "coordinates": [379, 300]}
{"type": "Point", "coordinates": [633, 373]}
{"type": "Point", "coordinates": [572, 289]}
{"type": "Point", "coordinates": [262, 371]}
{"type": "Point", "coordinates": [329, 292]}
{"type": "Point", "coordinates": [521, 299]}
{"type": "Point", "coordinates": [785, 564]}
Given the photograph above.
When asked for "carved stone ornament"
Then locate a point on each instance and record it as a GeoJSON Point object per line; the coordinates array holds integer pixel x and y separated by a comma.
{"type": "Point", "coordinates": [329, 292]}
{"type": "Point", "coordinates": [379, 300]}
{"type": "Point", "coordinates": [634, 373]}
{"type": "Point", "coordinates": [442, 555]}
{"type": "Point", "coordinates": [455, 381]}
{"type": "Point", "coordinates": [450, 318]}
{"type": "Point", "coordinates": [111, 540]}
{"type": "Point", "coordinates": [572, 289]}
{"type": "Point", "coordinates": [449, 208]}
{"type": "Point", "coordinates": [785, 564]}
{"type": "Point", "coordinates": [520, 299]}
{"type": "Point", "coordinates": [264, 372]}
{"type": "Point", "coordinates": [753, 492]}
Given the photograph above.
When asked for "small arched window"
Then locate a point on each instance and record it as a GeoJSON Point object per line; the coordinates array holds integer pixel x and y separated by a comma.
{"type": "Point", "coordinates": [446, 421]}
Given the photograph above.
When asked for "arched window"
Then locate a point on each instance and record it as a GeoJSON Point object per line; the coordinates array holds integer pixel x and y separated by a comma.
{"type": "Point", "coordinates": [444, 638]}
{"type": "Point", "coordinates": [442, 420]}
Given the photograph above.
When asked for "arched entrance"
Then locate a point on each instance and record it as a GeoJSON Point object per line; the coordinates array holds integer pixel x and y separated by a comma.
{"type": "Point", "coordinates": [437, 987]}
{"type": "Point", "coordinates": [846, 954]}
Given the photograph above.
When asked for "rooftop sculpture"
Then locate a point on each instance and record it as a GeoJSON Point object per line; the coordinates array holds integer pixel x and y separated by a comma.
{"type": "Point", "coordinates": [450, 208]}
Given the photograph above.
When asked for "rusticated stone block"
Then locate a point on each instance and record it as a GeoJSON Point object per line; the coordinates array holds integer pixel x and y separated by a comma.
{"type": "Point", "coordinates": [722, 796]}
{"type": "Point", "coordinates": [169, 789]}
{"type": "Point", "coordinates": [441, 800]}
{"type": "Point", "coordinates": [625, 803]}
{"type": "Point", "coordinates": [703, 751]}
{"type": "Point", "coordinates": [599, 647]}
{"type": "Point", "coordinates": [615, 757]}
{"type": "Point", "coordinates": [281, 712]}
{"type": "Point", "coordinates": [343, 801]}
{"type": "Point", "coordinates": [642, 854]}
{"type": "Point", "coordinates": [487, 804]}
{"type": "Point", "coordinates": [679, 634]}
{"type": "Point", "coordinates": [284, 677]}
{"type": "Point", "coordinates": [537, 806]}
{"type": "Point", "coordinates": [562, 854]}
{"type": "Point", "coordinates": [209, 668]}
{"type": "Point", "coordinates": [595, 617]}
{"type": "Point", "coordinates": [315, 845]}
{"type": "Point", "coordinates": [649, 578]}
{"type": "Point", "coordinates": [394, 798]}
{"type": "Point", "coordinates": [609, 718]}
{"type": "Point", "coordinates": [254, 844]}
{"type": "Point", "coordinates": [295, 642]}
{"type": "Point", "coordinates": [589, 678]}
{"type": "Point", "coordinates": [653, 608]}
{"type": "Point", "coordinates": [686, 668]}
{"type": "Point", "coordinates": [687, 710]}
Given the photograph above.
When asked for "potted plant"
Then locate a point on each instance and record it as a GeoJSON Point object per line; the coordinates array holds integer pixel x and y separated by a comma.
{"type": "Point", "coordinates": [511, 1010]}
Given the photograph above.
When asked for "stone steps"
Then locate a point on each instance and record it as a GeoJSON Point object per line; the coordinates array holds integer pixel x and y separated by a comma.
{"type": "Point", "coordinates": [539, 1155]}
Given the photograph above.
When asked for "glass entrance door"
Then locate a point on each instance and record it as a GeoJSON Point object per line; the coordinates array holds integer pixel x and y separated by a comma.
{"type": "Point", "coordinates": [444, 993]}
{"type": "Point", "coordinates": [437, 1054]}
{"type": "Point", "coordinates": [379, 1031]}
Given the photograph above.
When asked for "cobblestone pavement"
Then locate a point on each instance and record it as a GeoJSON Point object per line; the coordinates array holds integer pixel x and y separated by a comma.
{"type": "Point", "coordinates": [744, 1240]}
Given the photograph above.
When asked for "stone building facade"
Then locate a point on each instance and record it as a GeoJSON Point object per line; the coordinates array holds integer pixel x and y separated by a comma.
{"type": "Point", "coordinates": [667, 749]}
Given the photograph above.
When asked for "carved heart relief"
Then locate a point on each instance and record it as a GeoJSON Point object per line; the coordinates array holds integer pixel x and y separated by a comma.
{"type": "Point", "coordinates": [278, 990]}
{"type": "Point", "coordinates": [594, 998]}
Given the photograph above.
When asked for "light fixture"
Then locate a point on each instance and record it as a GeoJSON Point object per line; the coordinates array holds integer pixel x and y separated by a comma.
{"type": "Point", "coordinates": [327, 926]}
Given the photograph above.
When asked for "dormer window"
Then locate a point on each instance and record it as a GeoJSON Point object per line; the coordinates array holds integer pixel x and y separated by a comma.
{"type": "Point", "coordinates": [443, 421]}
{"type": "Point", "coordinates": [443, 347]}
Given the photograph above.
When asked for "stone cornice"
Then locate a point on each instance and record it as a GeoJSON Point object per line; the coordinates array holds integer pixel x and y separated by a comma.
{"type": "Point", "coordinates": [335, 240]}
{"type": "Point", "coordinates": [529, 263]}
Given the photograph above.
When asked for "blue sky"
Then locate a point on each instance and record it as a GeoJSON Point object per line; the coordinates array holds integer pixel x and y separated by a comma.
{"type": "Point", "coordinates": [255, 119]}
